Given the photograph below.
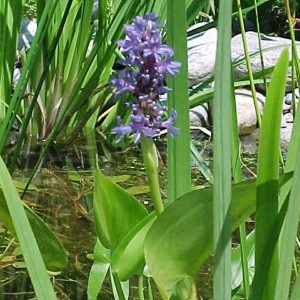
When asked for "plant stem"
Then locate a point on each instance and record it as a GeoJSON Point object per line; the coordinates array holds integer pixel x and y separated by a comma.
{"type": "Point", "coordinates": [151, 163]}
{"type": "Point", "coordinates": [141, 288]}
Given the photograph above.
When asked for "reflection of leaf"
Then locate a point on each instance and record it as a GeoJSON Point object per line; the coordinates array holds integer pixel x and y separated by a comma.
{"type": "Point", "coordinates": [182, 237]}
{"type": "Point", "coordinates": [116, 211]}
{"type": "Point", "coordinates": [20, 186]}
{"type": "Point", "coordinates": [137, 190]}
{"type": "Point", "coordinates": [120, 178]}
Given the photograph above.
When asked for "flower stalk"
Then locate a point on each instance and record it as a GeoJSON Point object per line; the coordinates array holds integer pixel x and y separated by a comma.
{"type": "Point", "coordinates": [150, 158]}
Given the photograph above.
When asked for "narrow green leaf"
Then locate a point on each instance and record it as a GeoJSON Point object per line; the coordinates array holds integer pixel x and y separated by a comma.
{"type": "Point", "coordinates": [116, 211]}
{"type": "Point", "coordinates": [179, 171]}
{"type": "Point", "coordinates": [267, 181]}
{"type": "Point", "coordinates": [289, 234]}
{"type": "Point", "coordinates": [98, 271]}
{"type": "Point", "coordinates": [222, 155]}
{"type": "Point", "coordinates": [31, 253]}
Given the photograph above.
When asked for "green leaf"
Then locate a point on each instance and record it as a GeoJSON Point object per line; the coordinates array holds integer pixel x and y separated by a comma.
{"type": "Point", "coordinates": [31, 252]}
{"type": "Point", "coordinates": [222, 155]}
{"type": "Point", "coordinates": [236, 262]}
{"type": "Point", "coordinates": [179, 159]}
{"type": "Point", "coordinates": [131, 250]}
{"type": "Point", "coordinates": [267, 182]}
{"type": "Point", "coordinates": [98, 271]}
{"type": "Point", "coordinates": [52, 250]}
{"type": "Point", "coordinates": [116, 211]}
{"type": "Point", "coordinates": [182, 237]}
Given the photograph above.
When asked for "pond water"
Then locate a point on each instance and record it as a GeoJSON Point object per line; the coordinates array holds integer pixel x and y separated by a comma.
{"type": "Point", "coordinates": [62, 196]}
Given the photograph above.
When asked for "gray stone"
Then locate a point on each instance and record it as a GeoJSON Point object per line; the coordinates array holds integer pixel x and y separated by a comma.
{"type": "Point", "coordinates": [246, 114]}
{"type": "Point", "coordinates": [199, 116]}
{"type": "Point", "coordinates": [16, 77]}
{"type": "Point", "coordinates": [27, 32]}
{"type": "Point", "coordinates": [285, 136]}
{"type": "Point", "coordinates": [202, 52]}
{"type": "Point", "coordinates": [272, 47]}
{"type": "Point", "coordinates": [288, 117]}
{"type": "Point", "coordinates": [249, 143]}
{"type": "Point", "coordinates": [201, 56]}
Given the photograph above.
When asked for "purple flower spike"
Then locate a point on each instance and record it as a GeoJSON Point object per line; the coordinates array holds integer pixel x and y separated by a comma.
{"type": "Point", "coordinates": [146, 63]}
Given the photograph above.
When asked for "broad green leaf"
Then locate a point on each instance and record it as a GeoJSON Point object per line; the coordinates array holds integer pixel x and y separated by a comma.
{"type": "Point", "coordinates": [98, 271]}
{"type": "Point", "coordinates": [116, 211]}
{"type": "Point", "coordinates": [182, 237]}
{"type": "Point", "coordinates": [131, 250]}
{"type": "Point", "coordinates": [267, 182]}
{"type": "Point", "coordinates": [31, 252]}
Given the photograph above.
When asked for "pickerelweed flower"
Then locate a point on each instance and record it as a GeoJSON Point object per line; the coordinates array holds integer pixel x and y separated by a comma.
{"type": "Point", "coordinates": [147, 61]}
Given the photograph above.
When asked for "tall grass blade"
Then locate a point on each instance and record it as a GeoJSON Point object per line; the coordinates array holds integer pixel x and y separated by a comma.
{"type": "Point", "coordinates": [32, 255]}
{"type": "Point", "coordinates": [267, 183]}
{"type": "Point", "coordinates": [10, 21]}
{"type": "Point", "coordinates": [222, 156]}
{"type": "Point", "coordinates": [30, 63]}
{"type": "Point", "coordinates": [289, 235]}
{"type": "Point", "coordinates": [238, 177]}
{"type": "Point", "coordinates": [179, 172]}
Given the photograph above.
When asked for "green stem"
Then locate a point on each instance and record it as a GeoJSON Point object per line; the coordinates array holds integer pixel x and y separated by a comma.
{"type": "Point", "coordinates": [141, 287]}
{"type": "Point", "coordinates": [150, 295]}
{"type": "Point", "coordinates": [151, 163]}
{"type": "Point", "coordinates": [248, 63]}
{"type": "Point", "coordinates": [118, 286]}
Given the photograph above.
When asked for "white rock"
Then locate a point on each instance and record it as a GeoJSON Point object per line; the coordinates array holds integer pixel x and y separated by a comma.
{"type": "Point", "coordinates": [202, 52]}
{"type": "Point", "coordinates": [288, 117]}
{"type": "Point", "coordinates": [27, 32]}
{"type": "Point", "coordinates": [201, 56]}
{"type": "Point", "coordinates": [246, 114]}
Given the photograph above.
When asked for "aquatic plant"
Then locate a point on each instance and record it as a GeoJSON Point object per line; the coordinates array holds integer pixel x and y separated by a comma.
{"type": "Point", "coordinates": [175, 242]}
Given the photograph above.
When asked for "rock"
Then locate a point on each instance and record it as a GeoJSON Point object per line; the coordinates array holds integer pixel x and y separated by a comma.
{"type": "Point", "coordinates": [16, 77]}
{"type": "Point", "coordinates": [249, 143]}
{"type": "Point", "coordinates": [199, 116]}
{"type": "Point", "coordinates": [246, 114]}
{"type": "Point", "coordinates": [288, 117]}
{"type": "Point", "coordinates": [27, 32]}
{"type": "Point", "coordinates": [201, 56]}
{"type": "Point", "coordinates": [285, 136]}
{"type": "Point", "coordinates": [202, 52]}
{"type": "Point", "coordinates": [273, 47]}
{"type": "Point", "coordinates": [288, 100]}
